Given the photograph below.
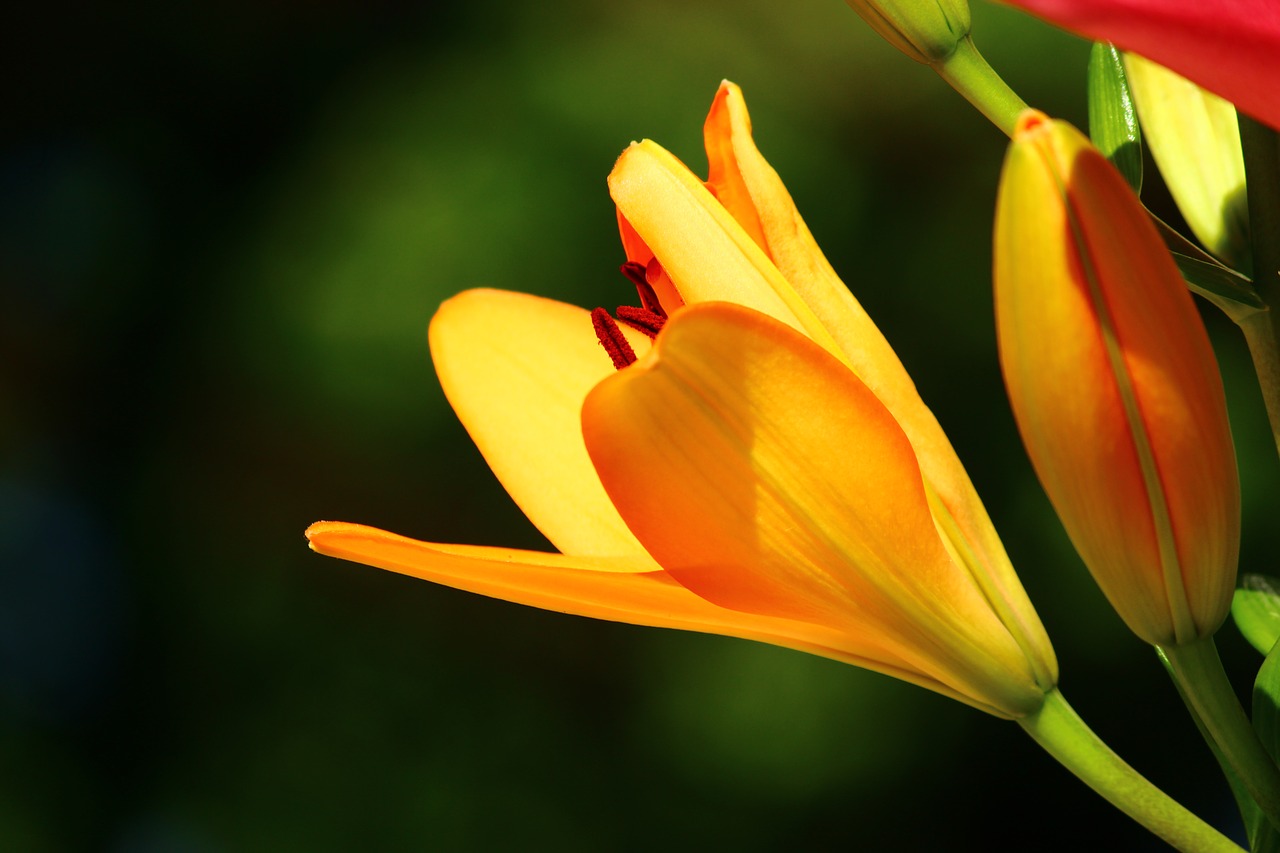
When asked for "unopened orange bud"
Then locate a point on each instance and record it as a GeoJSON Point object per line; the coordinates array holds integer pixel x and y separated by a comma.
{"type": "Point", "coordinates": [1114, 386]}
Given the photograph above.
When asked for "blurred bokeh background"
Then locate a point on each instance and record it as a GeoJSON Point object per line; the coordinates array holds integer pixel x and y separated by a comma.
{"type": "Point", "coordinates": [223, 230]}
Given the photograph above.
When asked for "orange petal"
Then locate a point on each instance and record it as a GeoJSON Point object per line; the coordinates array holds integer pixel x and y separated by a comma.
{"type": "Point", "coordinates": [763, 475]}
{"type": "Point", "coordinates": [516, 369]}
{"type": "Point", "coordinates": [616, 589]}
{"type": "Point", "coordinates": [752, 192]}
{"type": "Point", "coordinates": [1115, 386]}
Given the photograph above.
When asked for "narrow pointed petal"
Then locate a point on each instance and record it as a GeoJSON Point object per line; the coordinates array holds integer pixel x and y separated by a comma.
{"type": "Point", "coordinates": [743, 181]}
{"type": "Point", "coordinates": [615, 589]}
{"type": "Point", "coordinates": [753, 193]}
{"type": "Point", "coordinates": [705, 251]}
{"type": "Point", "coordinates": [1114, 386]}
{"type": "Point", "coordinates": [763, 475]}
{"type": "Point", "coordinates": [516, 369]}
{"type": "Point", "coordinates": [1194, 137]}
{"type": "Point", "coordinates": [1230, 47]}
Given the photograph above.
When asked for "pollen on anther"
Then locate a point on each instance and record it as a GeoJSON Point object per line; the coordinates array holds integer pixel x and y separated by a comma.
{"type": "Point", "coordinates": [612, 339]}
{"type": "Point", "coordinates": [641, 319]}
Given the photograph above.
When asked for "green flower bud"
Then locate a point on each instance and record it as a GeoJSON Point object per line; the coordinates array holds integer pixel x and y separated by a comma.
{"type": "Point", "coordinates": [928, 31]}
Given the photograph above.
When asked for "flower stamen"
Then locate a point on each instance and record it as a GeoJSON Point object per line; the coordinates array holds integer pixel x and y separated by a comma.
{"type": "Point", "coordinates": [642, 319]}
{"type": "Point", "coordinates": [639, 275]}
{"type": "Point", "coordinates": [612, 339]}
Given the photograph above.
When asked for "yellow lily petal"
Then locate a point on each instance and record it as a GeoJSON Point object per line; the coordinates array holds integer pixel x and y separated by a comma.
{"type": "Point", "coordinates": [703, 248]}
{"type": "Point", "coordinates": [516, 369]}
{"type": "Point", "coordinates": [763, 475]}
{"type": "Point", "coordinates": [1195, 139]}
{"type": "Point", "coordinates": [617, 589]}
{"type": "Point", "coordinates": [750, 189]}
{"type": "Point", "coordinates": [637, 251]}
{"type": "Point", "coordinates": [1114, 386]}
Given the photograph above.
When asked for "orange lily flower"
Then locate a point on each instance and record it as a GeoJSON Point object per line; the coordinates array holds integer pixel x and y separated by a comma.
{"type": "Point", "coordinates": [763, 469]}
{"type": "Point", "coordinates": [1114, 386]}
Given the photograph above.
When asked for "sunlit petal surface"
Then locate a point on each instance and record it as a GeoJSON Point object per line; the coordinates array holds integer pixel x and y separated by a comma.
{"type": "Point", "coordinates": [706, 252]}
{"type": "Point", "coordinates": [1194, 137]}
{"type": "Point", "coordinates": [516, 369]}
{"type": "Point", "coordinates": [1230, 47]}
{"type": "Point", "coordinates": [766, 469]}
{"type": "Point", "coordinates": [766, 477]}
{"type": "Point", "coordinates": [752, 192]}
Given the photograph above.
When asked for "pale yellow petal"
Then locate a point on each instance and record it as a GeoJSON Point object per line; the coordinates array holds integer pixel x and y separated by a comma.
{"type": "Point", "coordinates": [705, 251]}
{"type": "Point", "coordinates": [1194, 137]}
{"type": "Point", "coordinates": [516, 369]}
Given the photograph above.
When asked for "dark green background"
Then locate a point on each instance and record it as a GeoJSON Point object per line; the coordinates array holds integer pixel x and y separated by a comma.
{"type": "Point", "coordinates": [223, 230]}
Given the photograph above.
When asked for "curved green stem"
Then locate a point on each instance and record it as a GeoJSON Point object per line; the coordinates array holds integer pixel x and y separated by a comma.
{"type": "Point", "coordinates": [1198, 671]}
{"type": "Point", "coordinates": [971, 76]}
{"type": "Point", "coordinates": [1263, 337]}
{"type": "Point", "coordinates": [1062, 733]}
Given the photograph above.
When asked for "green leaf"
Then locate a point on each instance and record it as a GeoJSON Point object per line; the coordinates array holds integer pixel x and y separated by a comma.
{"type": "Point", "coordinates": [1113, 120]}
{"type": "Point", "coordinates": [1256, 609]}
{"type": "Point", "coordinates": [1215, 280]}
{"type": "Point", "coordinates": [1206, 275]}
{"type": "Point", "coordinates": [1266, 722]}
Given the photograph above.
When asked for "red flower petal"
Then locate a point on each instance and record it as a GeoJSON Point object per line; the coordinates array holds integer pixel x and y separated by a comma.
{"type": "Point", "coordinates": [1230, 47]}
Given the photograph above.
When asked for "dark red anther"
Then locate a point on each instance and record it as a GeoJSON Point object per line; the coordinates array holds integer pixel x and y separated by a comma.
{"type": "Point", "coordinates": [637, 273]}
{"type": "Point", "coordinates": [642, 319]}
{"type": "Point", "coordinates": [612, 339]}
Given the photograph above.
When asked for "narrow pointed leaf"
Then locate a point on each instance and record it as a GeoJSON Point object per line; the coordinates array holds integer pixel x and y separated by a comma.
{"type": "Point", "coordinates": [1266, 722]}
{"type": "Point", "coordinates": [1113, 120]}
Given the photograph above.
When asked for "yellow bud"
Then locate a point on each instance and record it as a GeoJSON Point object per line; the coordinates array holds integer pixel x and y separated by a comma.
{"type": "Point", "coordinates": [1114, 386]}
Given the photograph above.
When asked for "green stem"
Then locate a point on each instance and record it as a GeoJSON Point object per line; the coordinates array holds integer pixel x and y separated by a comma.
{"type": "Point", "coordinates": [1263, 338]}
{"type": "Point", "coordinates": [971, 76]}
{"type": "Point", "coordinates": [1198, 671]}
{"type": "Point", "coordinates": [1062, 733]}
{"type": "Point", "coordinates": [1261, 147]}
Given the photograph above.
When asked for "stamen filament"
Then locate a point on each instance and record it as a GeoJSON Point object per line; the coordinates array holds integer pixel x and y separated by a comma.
{"type": "Point", "coordinates": [638, 274]}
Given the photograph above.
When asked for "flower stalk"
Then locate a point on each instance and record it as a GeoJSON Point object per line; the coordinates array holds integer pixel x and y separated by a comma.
{"type": "Point", "coordinates": [1261, 147]}
{"type": "Point", "coordinates": [1197, 669]}
{"type": "Point", "coordinates": [1066, 737]}
{"type": "Point", "coordinates": [970, 74]}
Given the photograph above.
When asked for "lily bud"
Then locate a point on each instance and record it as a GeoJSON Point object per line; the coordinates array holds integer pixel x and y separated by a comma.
{"type": "Point", "coordinates": [1114, 386]}
{"type": "Point", "coordinates": [1194, 137]}
{"type": "Point", "coordinates": [928, 31]}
